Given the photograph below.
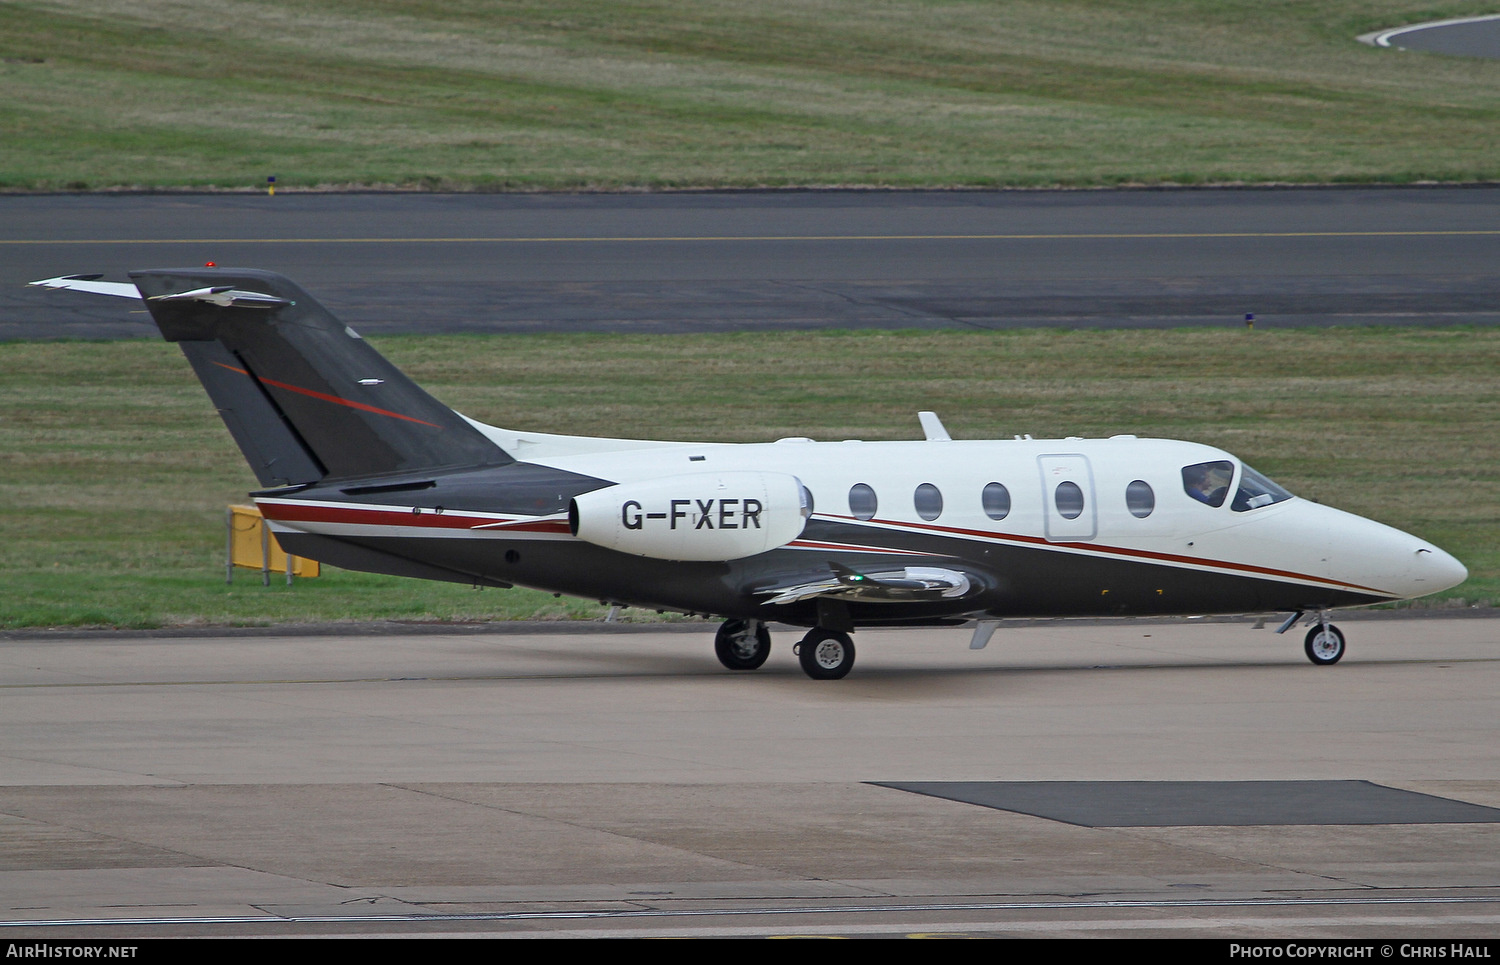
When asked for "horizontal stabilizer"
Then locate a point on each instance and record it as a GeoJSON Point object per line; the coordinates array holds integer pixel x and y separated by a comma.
{"type": "Point", "coordinates": [91, 284]}
{"type": "Point", "coordinates": [225, 296]}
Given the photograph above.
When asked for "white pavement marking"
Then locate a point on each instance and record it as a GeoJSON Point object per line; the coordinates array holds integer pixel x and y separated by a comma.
{"type": "Point", "coordinates": [1382, 38]}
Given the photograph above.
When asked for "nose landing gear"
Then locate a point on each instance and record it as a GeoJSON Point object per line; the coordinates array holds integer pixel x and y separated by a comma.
{"type": "Point", "coordinates": [1324, 644]}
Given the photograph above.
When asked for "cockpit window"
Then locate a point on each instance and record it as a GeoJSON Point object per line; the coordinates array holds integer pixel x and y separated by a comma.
{"type": "Point", "coordinates": [1208, 482]}
{"type": "Point", "coordinates": [1256, 491]}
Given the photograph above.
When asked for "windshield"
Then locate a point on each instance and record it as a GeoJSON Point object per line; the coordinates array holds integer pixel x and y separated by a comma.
{"type": "Point", "coordinates": [1256, 491]}
{"type": "Point", "coordinates": [1208, 482]}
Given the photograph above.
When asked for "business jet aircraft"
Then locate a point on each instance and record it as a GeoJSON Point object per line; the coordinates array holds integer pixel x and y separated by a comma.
{"type": "Point", "coordinates": [363, 469]}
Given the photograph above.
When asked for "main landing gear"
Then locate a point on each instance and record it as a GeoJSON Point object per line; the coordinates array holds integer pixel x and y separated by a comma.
{"type": "Point", "coordinates": [826, 654]}
{"type": "Point", "coordinates": [742, 644]}
{"type": "Point", "coordinates": [745, 645]}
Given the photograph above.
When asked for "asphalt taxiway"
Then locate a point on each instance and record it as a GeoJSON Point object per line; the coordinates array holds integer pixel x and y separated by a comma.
{"type": "Point", "coordinates": [745, 261]}
{"type": "Point", "coordinates": [1459, 37]}
{"type": "Point", "coordinates": [1184, 778]}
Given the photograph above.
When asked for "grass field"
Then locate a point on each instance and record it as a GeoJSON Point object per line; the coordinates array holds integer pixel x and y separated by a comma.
{"type": "Point", "coordinates": [570, 94]}
{"type": "Point", "coordinates": [117, 471]}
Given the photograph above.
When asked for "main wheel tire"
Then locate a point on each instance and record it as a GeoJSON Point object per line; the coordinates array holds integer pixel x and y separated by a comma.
{"type": "Point", "coordinates": [1325, 647]}
{"type": "Point", "coordinates": [739, 649]}
{"type": "Point", "coordinates": [826, 654]}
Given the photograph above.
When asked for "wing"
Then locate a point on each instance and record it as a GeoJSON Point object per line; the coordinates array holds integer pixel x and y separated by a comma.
{"type": "Point", "coordinates": [908, 584]}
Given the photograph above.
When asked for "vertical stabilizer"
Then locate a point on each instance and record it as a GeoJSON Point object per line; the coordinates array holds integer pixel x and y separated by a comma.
{"type": "Point", "coordinates": [303, 395]}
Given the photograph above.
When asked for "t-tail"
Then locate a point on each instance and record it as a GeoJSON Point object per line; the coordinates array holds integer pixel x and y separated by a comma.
{"type": "Point", "coordinates": [303, 395]}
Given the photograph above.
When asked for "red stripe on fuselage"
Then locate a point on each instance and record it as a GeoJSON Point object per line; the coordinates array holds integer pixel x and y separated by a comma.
{"type": "Point", "coordinates": [426, 519]}
{"type": "Point", "coordinates": [807, 544]}
{"type": "Point", "coordinates": [1151, 555]}
{"type": "Point", "coordinates": [291, 512]}
{"type": "Point", "coordinates": [532, 526]}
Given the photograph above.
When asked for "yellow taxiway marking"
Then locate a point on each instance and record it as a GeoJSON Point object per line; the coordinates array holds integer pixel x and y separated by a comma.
{"type": "Point", "coordinates": [629, 239]}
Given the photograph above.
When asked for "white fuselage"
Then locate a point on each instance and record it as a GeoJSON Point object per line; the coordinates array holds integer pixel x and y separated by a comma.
{"type": "Point", "coordinates": [1293, 540]}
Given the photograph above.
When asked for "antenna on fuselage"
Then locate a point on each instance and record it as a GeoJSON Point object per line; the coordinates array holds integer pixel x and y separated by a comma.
{"type": "Point", "coordinates": [932, 427]}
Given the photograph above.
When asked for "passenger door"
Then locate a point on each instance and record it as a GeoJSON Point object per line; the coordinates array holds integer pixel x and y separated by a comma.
{"type": "Point", "coordinates": [1069, 508]}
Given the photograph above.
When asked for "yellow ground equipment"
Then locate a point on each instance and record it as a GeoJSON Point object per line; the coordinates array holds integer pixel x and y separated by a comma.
{"type": "Point", "coordinates": [249, 543]}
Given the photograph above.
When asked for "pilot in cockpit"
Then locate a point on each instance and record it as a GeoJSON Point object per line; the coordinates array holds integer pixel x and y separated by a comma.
{"type": "Point", "coordinates": [1208, 482]}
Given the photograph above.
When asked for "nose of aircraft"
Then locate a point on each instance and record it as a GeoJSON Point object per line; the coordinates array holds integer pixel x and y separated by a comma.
{"type": "Point", "coordinates": [1390, 560]}
{"type": "Point", "coordinates": [1435, 570]}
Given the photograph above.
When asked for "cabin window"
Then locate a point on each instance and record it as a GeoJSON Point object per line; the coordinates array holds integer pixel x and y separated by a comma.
{"type": "Point", "coordinates": [1069, 500]}
{"type": "Point", "coordinates": [1139, 499]}
{"type": "Point", "coordinates": [1208, 482]}
{"type": "Point", "coordinates": [929, 501]}
{"type": "Point", "coordinates": [996, 501]}
{"type": "Point", "coordinates": [862, 501]}
{"type": "Point", "coordinates": [1256, 491]}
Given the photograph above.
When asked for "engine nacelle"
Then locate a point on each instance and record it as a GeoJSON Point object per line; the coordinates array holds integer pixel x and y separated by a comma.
{"type": "Point", "coordinates": [699, 516]}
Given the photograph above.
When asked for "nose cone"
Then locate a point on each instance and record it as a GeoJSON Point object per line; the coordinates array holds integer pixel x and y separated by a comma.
{"type": "Point", "coordinates": [1435, 570]}
{"type": "Point", "coordinates": [1378, 556]}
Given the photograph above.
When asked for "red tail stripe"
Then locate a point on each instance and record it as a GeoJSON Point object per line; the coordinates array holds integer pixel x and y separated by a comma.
{"type": "Point", "coordinates": [329, 398]}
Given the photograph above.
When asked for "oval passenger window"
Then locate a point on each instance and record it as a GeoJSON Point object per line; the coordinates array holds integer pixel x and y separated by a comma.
{"type": "Point", "coordinates": [862, 501]}
{"type": "Point", "coordinates": [1139, 499]}
{"type": "Point", "coordinates": [929, 501]}
{"type": "Point", "coordinates": [1069, 500]}
{"type": "Point", "coordinates": [996, 501]}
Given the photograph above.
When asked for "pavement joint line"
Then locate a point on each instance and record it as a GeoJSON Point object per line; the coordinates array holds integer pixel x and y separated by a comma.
{"type": "Point", "coordinates": [567, 627]}
{"type": "Point", "coordinates": [603, 914]}
{"type": "Point", "coordinates": [323, 681]}
{"type": "Point", "coordinates": [698, 239]}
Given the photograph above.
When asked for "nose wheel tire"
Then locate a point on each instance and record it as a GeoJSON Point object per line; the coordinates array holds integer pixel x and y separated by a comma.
{"type": "Point", "coordinates": [739, 649]}
{"type": "Point", "coordinates": [1324, 645]}
{"type": "Point", "coordinates": [826, 654]}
